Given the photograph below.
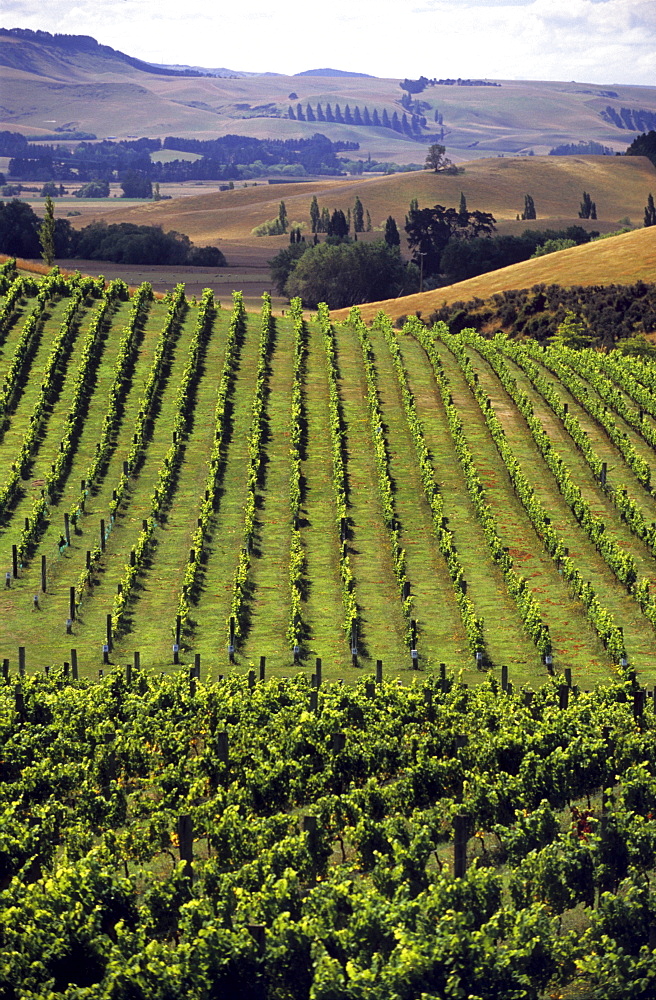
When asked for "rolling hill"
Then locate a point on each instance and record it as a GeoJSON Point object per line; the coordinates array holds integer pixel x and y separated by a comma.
{"type": "Point", "coordinates": [619, 185]}
{"type": "Point", "coordinates": [622, 260]}
{"type": "Point", "coordinates": [51, 85]}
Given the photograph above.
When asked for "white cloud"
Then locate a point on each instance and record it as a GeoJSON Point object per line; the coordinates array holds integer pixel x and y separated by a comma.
{"type": "Point", "coordinates": [601, 41]}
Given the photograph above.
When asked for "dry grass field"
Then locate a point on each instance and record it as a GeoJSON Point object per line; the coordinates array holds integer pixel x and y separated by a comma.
{"type": "Point", "coordinates": [618, 185]}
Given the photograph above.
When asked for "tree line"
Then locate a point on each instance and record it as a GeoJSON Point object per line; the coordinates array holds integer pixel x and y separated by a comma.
{"type": "Point", "coordinates": [225, 158]}
{"type": "Point", "coordinates": [409, 125]}
{"type": "Point", "coordinates": [123, 242]}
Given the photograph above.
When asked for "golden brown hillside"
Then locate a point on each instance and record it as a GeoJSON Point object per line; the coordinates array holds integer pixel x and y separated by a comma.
{"type": "Point", "coordinates": [617, 260]}
{"type": "Point", "coordinates": [618, 185]}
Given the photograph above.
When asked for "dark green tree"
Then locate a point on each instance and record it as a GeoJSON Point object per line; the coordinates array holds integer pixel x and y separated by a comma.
{"type": "Point", "coordinates": [19, 225]}
{"type": "Point", "coordinates": [309, 113]}
{"type": "Point", "coordinates": [436, 158]}
{"type": "Point", "coordinates": [650, 211]}
{"type": "Point", "coordinates": [588, 209]}
{"type": "Point", "coordinates": [315, 214]}
{"type": "Point", "coordinates": [136, 185]}
{"type": "Point", "coordinates": [282, 265]}
{"type": "Point", "coordinates": [392, 236]}
{"type": "Point", "coordinates": [282, 216]}
{"type": "Point", "coordinates": [644, 145]}
{"type": "Point", "coordinates": [338, 225]}
{"type": "Point", "coordinates": [358, 216]}
{"type": "Point", "coordinates": [345, 274]}
{"type": "Point", "coordinates": [93, 189]}
{"type": "Point", "coordinates": [431, 229]}
{"type": "Point", "coordinates": [529, 208]}
{"type": "Point", "coordinates": [47, 232]}
{"type": "Point", "coordinates": [462, 208]}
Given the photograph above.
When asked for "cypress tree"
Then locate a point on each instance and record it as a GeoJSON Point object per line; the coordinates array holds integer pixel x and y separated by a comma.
{"type": "Point", "coordinates": [650, 211]}
{"type": "Point", "coordinates": [529, 208]}
{"type": "Point", "coordinates": [329, 114]}
{"type": "Point", "coordinates": [290, 112]}
{"type": "Point", "coordinates": [588, 209]}
{"type": "Point", "coordinates": [299, 113]}
{"type": "Point", "coordinates": [366, 116]}
{"type": "Point", "coordinates": [320, 115]}
{"type": "Point", "coordinates": [348, 117]}
{"type": "Point", "coordinates": [357, 117]}
{"type": "Point", "coordinates": [338, 115]}
{"type": "Point", "coordinates": [47, 232]}
{"type": "Point", "coordinates": [385, 119]}
{"type": "Point", "coordinates": [282, 216]}
{"type": "Point", "coordinates": [392, 237]}
{"type": "Point", "coordinates": [315, 214]}
{"type": "Point", "coordinates": [309, 113]}
{"type": "Point", "coordinates": [358, 216]}
{"type": "Point", "coordinates": [374, 118]}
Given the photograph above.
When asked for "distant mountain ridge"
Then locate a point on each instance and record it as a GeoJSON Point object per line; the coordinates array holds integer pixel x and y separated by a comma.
{"type": "Point", "coordinates": [334, 72]}
{"type": "Point", "coordinates": [87, 44]}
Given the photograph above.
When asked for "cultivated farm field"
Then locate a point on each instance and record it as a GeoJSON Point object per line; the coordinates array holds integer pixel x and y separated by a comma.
{"type": "Point", "coordinates": [210, 519]}
{"type": "Point", "coordinates": [185, 473]}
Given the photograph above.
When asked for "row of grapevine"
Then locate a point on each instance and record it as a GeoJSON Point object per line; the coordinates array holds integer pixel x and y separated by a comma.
{"type": "Point", "coordinates": [240, 586]}
{"type": "Point", "coordinates": [600, 617]}
{"type": "Point", "coordinates": [140, 438]}
{"type": "Point", "coordinates": [297, 627]}
{"type": "Point", "coordinates": [216, 462]}
{"type": "Point", "coordinates": [83, 386]}
{"type": "Point", "coordinates": [599, 412]}
{"type": "Point", "coordinates": [165, 486]}
{"type": "Point", "coordinates": [628, 509]}
{"type": "Point", "coordinates": [385, 488]}
{"type": "Point", "coordinates": [337, 435]}
{"type": "Point", "coordinates": [621, 564]}
{"type": "Point", "coordinates": [16, 377]}
{"type": "Point", "coordinates": [527, 603]}
{"type": "Point", "coordinates": [116, 397]}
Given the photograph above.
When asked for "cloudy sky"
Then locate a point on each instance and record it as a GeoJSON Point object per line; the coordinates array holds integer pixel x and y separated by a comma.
{"type": "Point", "coordinates": [595, 41]}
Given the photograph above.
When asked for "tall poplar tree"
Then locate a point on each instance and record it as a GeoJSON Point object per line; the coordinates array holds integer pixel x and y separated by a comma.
{"type": "Point", "coordinates": [358, 216]}
{"type": "Point", "coordinates": [47, 233]}
{"type": "Point", "coordinates": [315, 214]}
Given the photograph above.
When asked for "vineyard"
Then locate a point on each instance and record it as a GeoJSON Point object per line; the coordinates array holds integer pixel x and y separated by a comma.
{"type": "Point", "coordinates": [209, 521]}
{"type": "Point", "coordinates": [187, 484]}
